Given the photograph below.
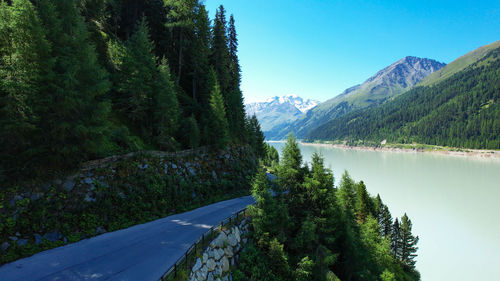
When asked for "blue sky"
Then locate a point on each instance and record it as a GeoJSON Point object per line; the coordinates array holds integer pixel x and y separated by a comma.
{"type": "Point", "coordinates": [316, 49]}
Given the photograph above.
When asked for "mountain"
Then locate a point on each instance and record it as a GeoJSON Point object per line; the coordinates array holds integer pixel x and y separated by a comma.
{"type": "Point", "coordinates": [277, 112]}
{"type": "Point", "coordinates": [385, 84]}
{"type": "Point", "coordinates": [459, 110]}
{"type": "Point", "coordinates": [459, 64]}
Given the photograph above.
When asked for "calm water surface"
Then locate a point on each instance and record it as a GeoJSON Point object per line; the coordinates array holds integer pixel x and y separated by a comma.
{"type": "Point", "coordinates": [453, 202]}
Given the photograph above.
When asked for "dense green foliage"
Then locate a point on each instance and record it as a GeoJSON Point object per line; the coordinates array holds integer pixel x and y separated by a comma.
{"type": "Point", "coordinates": [460, 111]}
{"type": "Point", "coordinates": [81, 80]}
{"type": "Point", "coordinates": [304, 228]}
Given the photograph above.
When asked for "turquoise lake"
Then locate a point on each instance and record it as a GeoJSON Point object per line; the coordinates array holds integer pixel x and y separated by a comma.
{"type": "Point", "coordinates": [453, 202]}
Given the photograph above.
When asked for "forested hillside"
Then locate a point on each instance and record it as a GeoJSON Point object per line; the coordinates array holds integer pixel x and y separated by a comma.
{"type": "Point", "coordinates": [460, 111]}
{"type": "Point", "coordinates": [81, 80]}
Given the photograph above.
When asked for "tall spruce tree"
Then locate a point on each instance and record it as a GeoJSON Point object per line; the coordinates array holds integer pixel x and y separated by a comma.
{"type": "Point", "coordinates": [347, 192]}
{"type": "Point", "coordinates": [200, 59]}
{"type": "Point", "coordinates": [396, 241]}
{"type": "Point", "coordinates": [385, 221]}
{"type": "Point", "coordinates": [255, 136]}
{"type": "Point", "coordinates": [362, 205]}
{"type": "Point", "coordinates": [234, 95]}
{"type": "Point", "coordinates": [220, 54]}
{"type": "Point", "coordinates": [290, 172]}
{"type": "Point", "coordinates": [135, 81]}
{"type": "Point", "coordinates": [73, 118]}
{"type": "Point", "coordinates": [165, 109]}
{"type": "Point", "coordinates": [219, 129]}
{"type": "Point", "coordinates": [408, 242]}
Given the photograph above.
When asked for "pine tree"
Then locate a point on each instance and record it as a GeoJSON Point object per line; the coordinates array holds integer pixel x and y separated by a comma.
{"type": "Point", "coordinates": [269, 216]}
{"type": "Point", "coordinates": [73, 117]}
{"type": "Point", "coordinates": [200, 59]}
{"type": "Point", "coordinates": [321, 174]}
{"type": "Point", "coordinates": [347, 193]}
{"type": "Point", "coordinates": [290, 171]}
{"type": "Point", "coordinates": [180, 23]}
{"type": "Point", "coordinates": [272, 156]}
{"type": "Point", "coordinates": [234, 95]}
{"type": "Point", "coordinates": [362, 205]}
{"type": "Point", "coordinates": [220, 54]}
{"type": "Point", "coordinates": [24, 67]}
{"type": "Point", "coordinates": [292, 158]}
{"type": "Point", "coordinates": [385, 222]}
{"type": "Point", "coordinates": [256, 136]}
{"type": "Point", "coordinates": [165, 109]}
{"type": "Point", "coordinates": [219, 131]}
{"type": "Point", "coordinates": [408, 242]}
{"type": "Point", "coordinates": [136, 83]}
{"type": "Point", "coordinates": [396, 241]}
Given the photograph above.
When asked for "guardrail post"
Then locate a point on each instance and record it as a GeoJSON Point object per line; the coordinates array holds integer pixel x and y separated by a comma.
{"type": "Point", "coordinates": [175, 269]}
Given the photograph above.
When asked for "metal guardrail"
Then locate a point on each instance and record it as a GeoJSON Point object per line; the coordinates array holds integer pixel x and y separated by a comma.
{"type": "Point", "coordinates": [173, 270]}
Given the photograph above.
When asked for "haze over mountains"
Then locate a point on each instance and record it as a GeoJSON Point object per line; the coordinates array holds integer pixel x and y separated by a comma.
{"type": "Point", "coordinates": [277, 112]}
{"type": "Point", "coordinates": [385, 84]}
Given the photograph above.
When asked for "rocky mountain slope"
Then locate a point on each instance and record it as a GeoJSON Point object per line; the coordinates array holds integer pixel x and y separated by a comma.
{"type": "Point", "coordinates": [458, 110]}
{"type": "Point", "coordinates": [385, 84]}
{"type": "Point", "coordinates": [277, 112]}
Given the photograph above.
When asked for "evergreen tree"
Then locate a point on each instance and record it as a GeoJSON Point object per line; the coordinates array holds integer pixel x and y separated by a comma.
{"type": "Point", "coordinates": [362, 205]}
{"type": "Point", "coordinates": [385, 222]}
{"type": "Point", "coordinates": [136, 83]}
{"type": "Point", "coordinates": [220, 54]}
{"type": "Point", "coordinates": [73, 117]}
{"type": "Point", "coordinates": [234, 95]}
{"type": "Point", "coordinates": [24, 68]}
{"type": "Point", "coordinates": [396, 240]}
{"type": "Point", "coordinates": [219, 131]}
{"type": "Point", "coordinates": [290, 172]}
{"type": "Point", "coordinates": [272, 156]}
{"type": "Point", "coordinates": [408, 242]}
{"type": "Point", "coordinates": [180, 22]}
{"type": "Point", "coordinates": [200, 59]}
{"type": "Point", "coordinates": [347, 193]}
{"type": "Point", "coordinates": [256, 136]}
{"type": "Point", "coordinates": [269, 217]}
{"type": "Point", "coordinates": [165, 110]}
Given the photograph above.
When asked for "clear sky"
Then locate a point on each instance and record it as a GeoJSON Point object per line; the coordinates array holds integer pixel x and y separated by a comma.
{"type": "Point", "coordinates": [318, 48]}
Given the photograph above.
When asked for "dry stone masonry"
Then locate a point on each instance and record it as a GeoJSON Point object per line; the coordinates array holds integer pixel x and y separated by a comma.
{"type": "Point", "coordinates": [222, 253]}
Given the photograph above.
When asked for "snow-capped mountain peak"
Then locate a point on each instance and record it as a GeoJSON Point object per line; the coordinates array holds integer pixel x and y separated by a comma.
{"type": "Point", "coordinates": [276, 111]}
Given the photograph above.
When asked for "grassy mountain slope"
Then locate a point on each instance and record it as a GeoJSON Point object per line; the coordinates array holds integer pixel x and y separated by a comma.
{"type": "Point", "coordinates": [385, 84]}
{"type": "Point", "coordinates": [460, 111]}
{"type": "Point", "coordinates": [459, 64]}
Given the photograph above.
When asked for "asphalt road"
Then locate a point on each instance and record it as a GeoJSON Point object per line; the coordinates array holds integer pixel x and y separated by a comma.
{"type": "Point", "coordinates": [142, 252]}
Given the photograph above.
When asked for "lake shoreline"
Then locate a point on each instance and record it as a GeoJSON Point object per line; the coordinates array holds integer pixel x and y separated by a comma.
{"type": "Point", "coordinates": [473, 153]}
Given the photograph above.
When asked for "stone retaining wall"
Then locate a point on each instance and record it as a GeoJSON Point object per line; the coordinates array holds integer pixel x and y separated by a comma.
{"type": "Point", "coordinates": [220, 255]}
